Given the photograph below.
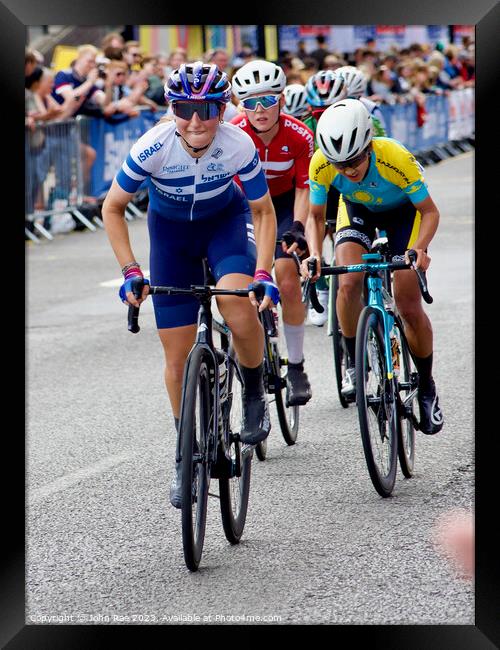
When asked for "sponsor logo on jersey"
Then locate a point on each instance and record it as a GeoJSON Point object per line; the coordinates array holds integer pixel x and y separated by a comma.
{"type": "Point", "coordinates": [215, 167]}
{"type": "Point", "coordinates": [217, 153]}
{"type": "Point", "coordinates": [358, 220]}
{"type": "Point", "coordinates": [175, 168]}
{"type": "Point", "coordinates": [398, 171]}
{"type": "Point", "coordinates": [150, 151]}
{"type": "Point", "coordinates": [322, 166]}
{"type": "Point", "coordinates": [215, 177]}
{"type": "Point", "coordinates": [302, 130]}
{"type": "Point", "coordinates": [285, 149]}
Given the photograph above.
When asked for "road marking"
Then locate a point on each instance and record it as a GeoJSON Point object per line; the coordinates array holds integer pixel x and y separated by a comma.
{"type": "Point", "coordinates": [117, 282]}
{"type": "Point", "coordinates": [69, 480]}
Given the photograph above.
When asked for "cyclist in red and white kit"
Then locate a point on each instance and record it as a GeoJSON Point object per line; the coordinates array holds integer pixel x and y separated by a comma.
{"type": "Point", "coordinates": [285, 147]}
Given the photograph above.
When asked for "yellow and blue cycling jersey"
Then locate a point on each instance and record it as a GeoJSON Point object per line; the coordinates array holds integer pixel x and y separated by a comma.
{"type": "Point", "coordinates": [394, 177]}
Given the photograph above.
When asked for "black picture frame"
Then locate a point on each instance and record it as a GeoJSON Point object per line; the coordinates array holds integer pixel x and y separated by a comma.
{"type": "Point", "coordinates": [15, 15]}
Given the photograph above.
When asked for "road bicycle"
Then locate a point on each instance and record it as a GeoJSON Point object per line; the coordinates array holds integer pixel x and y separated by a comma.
{"type": "Point", "coordinates": [208, 444]}
{"type": "Point", "coordinates": [340, 353]}
{"type": "Point", "coordinates": [386, 379]}
{"type": "Point", "coordinates": [275, 368]}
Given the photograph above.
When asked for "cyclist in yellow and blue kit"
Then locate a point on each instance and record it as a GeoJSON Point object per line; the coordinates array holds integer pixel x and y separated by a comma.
{"type": "Point", "coordinates": [381, 186]}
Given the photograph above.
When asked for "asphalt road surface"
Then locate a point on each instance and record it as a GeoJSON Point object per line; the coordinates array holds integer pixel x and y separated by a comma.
{"type": "Point", "coordinates": [320, 546]}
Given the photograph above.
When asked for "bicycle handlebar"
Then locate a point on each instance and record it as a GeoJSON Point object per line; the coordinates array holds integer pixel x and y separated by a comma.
{"type": "Point", "coordinates": [198, 292]}
{"type": "Point", "coordinates": [386, 266]}
{"type": "Point", "coordinates": [309, 288]}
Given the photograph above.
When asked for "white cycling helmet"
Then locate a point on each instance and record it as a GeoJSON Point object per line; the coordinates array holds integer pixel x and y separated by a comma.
{"type": "Point", "coordinates": [355, 79]}
{"type": "Point", "coordinates": [295, 99]}
{"type": "Point", "coordinates": [325, 88]}
{"type": "Point", "coordinates": [344, 130]}
{"type": "Point", "coordinates": [258, 77]}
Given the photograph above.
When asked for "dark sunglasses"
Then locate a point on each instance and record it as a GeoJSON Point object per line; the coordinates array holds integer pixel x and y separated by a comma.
{"type": "Point", "coordinates": [266, 101]}
{"type": "Point", "coordinates": [353, 162]}
{"type": "Point", "coordinates": [204, 110]}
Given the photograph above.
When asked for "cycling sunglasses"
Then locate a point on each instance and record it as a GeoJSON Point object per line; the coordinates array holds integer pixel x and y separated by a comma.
{"type": "Point", "coordinates": [353, 162]}
{"type": "Point", "coordinates": [266, 101]}
{"type": "Point", "coordinates": [204, 110]}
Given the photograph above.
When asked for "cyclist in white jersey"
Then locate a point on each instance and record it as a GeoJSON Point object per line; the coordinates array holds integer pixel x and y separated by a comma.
{"type": "Point", "coordinates": [196, 211]}
{"type": "Point", "coordinates": [356, 89]}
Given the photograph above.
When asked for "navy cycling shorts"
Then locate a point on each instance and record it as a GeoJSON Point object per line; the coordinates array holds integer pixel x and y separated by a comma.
{"type": "Point", "coordinates": [177, 250]}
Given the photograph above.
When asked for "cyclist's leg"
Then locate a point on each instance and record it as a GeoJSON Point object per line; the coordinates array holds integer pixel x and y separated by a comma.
{"type": "Point", "coordinates": [172, 264]}
{"type": "Point", "coordinates": [288, 280]}
{"type": "Point", "coordinates": [353, 238]}
{"type": "Point", "coordinates": [355, 232]}
{"type": "Point", "coordinates": [418, 328]}
{"type": "Point", "coordinates": [232, 256]}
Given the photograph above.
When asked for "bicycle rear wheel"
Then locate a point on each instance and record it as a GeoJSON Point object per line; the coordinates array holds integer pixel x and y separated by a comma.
{"type": "Point", "coordinates": [376, 401]}
{"type": "Point", "coordinates": [195, 423]}
{"type": "Point", "coordinates": [407, 387]}
{"type": "Point", "coordinates": [234, 484]}
{"type": "Point", "coordinates": [338, 342]}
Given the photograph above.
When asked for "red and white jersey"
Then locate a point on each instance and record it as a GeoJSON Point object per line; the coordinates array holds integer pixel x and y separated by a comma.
{"type": "Point", "coordinates": [286, 159]}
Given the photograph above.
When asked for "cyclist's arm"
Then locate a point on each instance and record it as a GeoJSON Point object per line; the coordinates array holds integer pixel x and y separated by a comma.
{"type": "Point", "coordinates": [315, 232]}
{"type": "Point", "coordinates": [429, 223]}
{"type": "Point", "coordinates": [113, 213]}
{"type": "Point", "coordinates": [301, 205]}
{"type": "Point", "coordinates": [264, 222]}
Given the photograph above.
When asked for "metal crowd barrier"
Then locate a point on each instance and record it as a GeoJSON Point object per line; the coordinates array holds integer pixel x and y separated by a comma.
{"type": "Point", "coordinates": [55, 159]}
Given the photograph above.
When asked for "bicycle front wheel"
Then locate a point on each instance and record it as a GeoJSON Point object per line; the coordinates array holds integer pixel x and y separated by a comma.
{"type": "Point", "coordinates": [288, 416]}
{"type": "Point", "coordinates": [234, 485]}
{"type": "Point", "coordinates": [338, 342]}
{"type": "Point", "coordinates": [407, 389]}
{"type": "Point", "coordinates": [376, 402]}
{"type": "Point", "coordinates": [195, 422]}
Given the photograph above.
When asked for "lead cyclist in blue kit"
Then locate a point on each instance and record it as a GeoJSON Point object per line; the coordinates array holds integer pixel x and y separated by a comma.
{"type": "Point", "coordinates": [196, 210]}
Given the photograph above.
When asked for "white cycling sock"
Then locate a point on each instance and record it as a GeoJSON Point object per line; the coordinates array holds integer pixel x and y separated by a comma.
{"type": "Point", "coordinates": [294, 335]}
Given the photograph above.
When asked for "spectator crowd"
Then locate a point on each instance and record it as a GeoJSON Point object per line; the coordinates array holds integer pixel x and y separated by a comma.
{"type": "Point", "coordinates": [115, 80]}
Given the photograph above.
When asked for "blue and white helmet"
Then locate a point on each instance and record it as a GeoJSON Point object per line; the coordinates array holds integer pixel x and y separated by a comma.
{"type": "Point", "coordinates": [198, 81]}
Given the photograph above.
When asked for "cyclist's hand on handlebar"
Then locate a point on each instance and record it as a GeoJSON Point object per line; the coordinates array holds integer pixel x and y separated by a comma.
{"type": "Point", "coordinates": [294, 239]}
{"type": "Point", "coordinates": [264, 289]}
{"type": "Point", "coordinates": [134, 290]}
{"type": "Point", "coordinates": [423, 260]}
{"type": "Point", "coordinates": [304, 268]}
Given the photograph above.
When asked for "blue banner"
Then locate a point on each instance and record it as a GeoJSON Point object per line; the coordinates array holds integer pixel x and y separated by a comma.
{"type": "Point", "coordinates": [112, 142]}
{"type": "Point", "coordinates": [401, 122]}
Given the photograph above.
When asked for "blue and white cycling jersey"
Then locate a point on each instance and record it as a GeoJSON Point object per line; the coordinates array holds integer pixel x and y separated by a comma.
{"type": "Point", "coordinates": [183, 188]}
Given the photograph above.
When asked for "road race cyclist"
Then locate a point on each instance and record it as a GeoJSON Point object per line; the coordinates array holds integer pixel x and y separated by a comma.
{"type": "Point", "coordinates": [324, 89]}
{"type": "Point", "coordinates": [382, 186]}
{"type": "Point", "coordinates": [196, 210]}
{"type": "Point", "coordinates": [295, 101]}
{"type": "Point", "coordinates": [285, 148]}
{"type": "Point", "coordinates": [356, 89]}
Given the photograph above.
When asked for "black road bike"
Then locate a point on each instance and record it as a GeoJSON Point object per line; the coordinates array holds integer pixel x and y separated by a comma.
{"type": "Point", "coordinates": [208, 442]}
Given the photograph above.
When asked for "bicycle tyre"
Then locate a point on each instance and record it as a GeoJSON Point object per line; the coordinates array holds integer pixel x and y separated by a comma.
{"type": "Point", "coordinates": [338, 343]}
{"type": "Point", "coordinates": [196, 417]}
{"type": "Point", "coordinates": [377, 413]}
{"type": "Point", "coordinates": [288, 416]}
{"type": "Point", "coordinates": [261, 450]}
{"type": "Point", "coordinates": [234, 491]}
{"type": "Point", "coordinates": [406, 429]}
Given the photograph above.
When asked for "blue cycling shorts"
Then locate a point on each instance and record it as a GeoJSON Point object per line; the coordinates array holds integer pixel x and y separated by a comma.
{"type": "Point", "coordinates": [177, 249]}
